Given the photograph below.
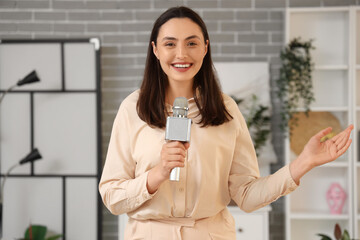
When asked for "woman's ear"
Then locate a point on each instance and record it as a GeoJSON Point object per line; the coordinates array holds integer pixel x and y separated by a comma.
{"type": "Point", "coordinates": [154, 49]}
{"type": "Point", "coordinates": [206, 47]}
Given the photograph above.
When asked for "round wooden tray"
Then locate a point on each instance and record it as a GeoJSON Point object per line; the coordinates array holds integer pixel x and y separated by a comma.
{"type": "Point", "coordinates": [308, 126]}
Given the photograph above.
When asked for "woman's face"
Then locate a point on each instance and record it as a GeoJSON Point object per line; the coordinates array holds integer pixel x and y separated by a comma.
{"type": "Point", "coordinates": [180, 49]}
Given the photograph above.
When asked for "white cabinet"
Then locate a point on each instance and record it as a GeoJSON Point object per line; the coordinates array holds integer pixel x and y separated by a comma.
{"type": "Point", "coordinates": [336, 81]}
{"type": "Point", "coordinates": [253, 225]}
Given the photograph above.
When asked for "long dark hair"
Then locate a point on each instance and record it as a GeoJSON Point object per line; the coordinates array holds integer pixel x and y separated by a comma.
{"type": "Point", "coordinates": [151, 104]}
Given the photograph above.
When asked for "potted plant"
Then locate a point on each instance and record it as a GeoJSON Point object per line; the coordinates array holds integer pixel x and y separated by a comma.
{"type": "Point", "coordinates": [39, 232]}
{"type": "Point", "coordinates": [257, 120]}
{"type": "Point", "coordinates": [294, 84]}
{"type": "Point", "coordinates": [339, 235]}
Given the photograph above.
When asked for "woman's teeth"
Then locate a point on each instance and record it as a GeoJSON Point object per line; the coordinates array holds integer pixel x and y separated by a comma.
{"type": "Point", "coordinates": [181, 65]}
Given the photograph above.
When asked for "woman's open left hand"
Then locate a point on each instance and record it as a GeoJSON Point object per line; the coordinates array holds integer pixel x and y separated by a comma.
{"type": "Point", "coordinates": [317, 153]}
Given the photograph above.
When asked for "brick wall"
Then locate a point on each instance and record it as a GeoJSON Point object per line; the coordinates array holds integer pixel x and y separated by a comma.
{"type": "Point", "coordinates": [240, 30]}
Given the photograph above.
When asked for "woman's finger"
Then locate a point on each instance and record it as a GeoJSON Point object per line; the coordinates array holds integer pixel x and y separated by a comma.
{"type": "Point", "coordinates": [172, 165]}
{"type": "Point", "coordinates": [343, 150]}
{"type": "Point", "coordinates": [176, 151]}
{"type": "Point", "coordinates": [323, 133]}
{"type": "Point", "coordinates": [342, 139]}
{"type": "Point", "coordinates": [175, 144]}
{"type": "Point", "coordinates": [175, 158]}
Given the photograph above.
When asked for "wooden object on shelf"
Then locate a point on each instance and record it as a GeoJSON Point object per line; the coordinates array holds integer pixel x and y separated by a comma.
{"type": "Point", "coordinates": [308, 126]}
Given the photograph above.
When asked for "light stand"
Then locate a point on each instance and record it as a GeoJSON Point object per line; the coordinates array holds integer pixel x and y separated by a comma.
{"type": "Point", "coordinates": [30, 78]}
{"type": "Point", "coordinates": [34, 155]}
{"type": "Point", "coordinates": [31, 157]}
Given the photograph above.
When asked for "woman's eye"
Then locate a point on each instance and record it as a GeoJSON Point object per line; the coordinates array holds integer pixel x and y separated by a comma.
{"type": "Point", "coordinates": [170, 44]}
{"type": "Point", "coordinates": [192, 44]}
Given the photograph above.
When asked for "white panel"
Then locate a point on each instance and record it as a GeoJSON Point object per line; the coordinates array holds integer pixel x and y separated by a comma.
{"type": "Point", "coordinates": [242, 79]}
{"type": "Point", "coordinates": [80, 66]}
{"type": "Point", "coordinates": [122, 221]}
{"type": "Point", "coordinates": [357, 84]}
{"type": "Point", "coordinates": [15, 131]}
{"type": "Point", "coordinates": [357, 39]}
{"type": "Point", "coordinates": [358, 189]}
{"type": "Point", "coordinates": [330, 88]}
{"type": "Point", "coordinates": [17, 60]}
{"type": "Point", "coordinates": [65, 131]}
{"type": "Point", "coordinates": [32, 200]}
{"type": "Point", "coordinates": [81, 214]}
{"type": "Point", "coordinates": [330, 30]}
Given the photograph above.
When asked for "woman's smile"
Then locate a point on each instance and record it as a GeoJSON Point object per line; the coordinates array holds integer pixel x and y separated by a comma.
{"type": "Point", "coordinates": [181, 67]}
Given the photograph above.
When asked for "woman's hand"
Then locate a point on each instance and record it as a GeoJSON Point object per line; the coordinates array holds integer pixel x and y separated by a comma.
{"type": "Point", "coordinates": [173, 155]}
{"type": "Point", "coordinates": [317, 153]}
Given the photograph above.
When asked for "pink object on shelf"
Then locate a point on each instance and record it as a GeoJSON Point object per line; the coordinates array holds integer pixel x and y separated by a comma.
{"type": "Point", "coordinates": [335, 198]}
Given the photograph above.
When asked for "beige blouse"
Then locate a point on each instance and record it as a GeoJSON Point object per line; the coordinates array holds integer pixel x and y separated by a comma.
{"type": "Point", "coordinates": [221, 165]}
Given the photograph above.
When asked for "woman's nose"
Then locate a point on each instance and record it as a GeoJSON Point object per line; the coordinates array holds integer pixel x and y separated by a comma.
{"type": "Point", "coordinates": [181, 52]}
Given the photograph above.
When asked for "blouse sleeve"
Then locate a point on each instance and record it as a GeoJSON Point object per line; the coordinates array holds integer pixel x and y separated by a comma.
{"type": "Point", "coordinates": [120, 190]}
{"type": "Point", "coordinates": [247, 188]}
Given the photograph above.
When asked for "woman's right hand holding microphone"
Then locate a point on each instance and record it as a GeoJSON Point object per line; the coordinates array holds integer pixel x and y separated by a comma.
{"type": "Point", "coordinates": [173, 155]}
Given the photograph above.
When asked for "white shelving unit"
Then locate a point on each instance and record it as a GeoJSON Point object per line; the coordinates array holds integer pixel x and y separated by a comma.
{"type": "Point", "coordinates": [336, 81]}
{"type": "Point", "coordinates": [356, 89]}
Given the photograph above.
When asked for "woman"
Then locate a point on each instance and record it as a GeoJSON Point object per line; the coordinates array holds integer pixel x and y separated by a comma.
{"type": "Point", "coordinates": [219, 163]}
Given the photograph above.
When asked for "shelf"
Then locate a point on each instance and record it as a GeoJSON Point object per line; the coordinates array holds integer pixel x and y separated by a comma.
{"type": "Point", "coordinates": [318, 216]}
{"type": "Point", "coordinates": [335, 164]}
{"type": "Point", "coordinates": [341, 162]}
{"type": "Point", "coordinates": [326, 109]}
{"type": "Point", "coordinates": [309, 229]}
{"type": "Point", "coordinates": [331, 67]}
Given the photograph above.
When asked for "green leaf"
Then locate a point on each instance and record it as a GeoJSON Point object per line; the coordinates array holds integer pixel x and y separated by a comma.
{"type": "Point", "coordinates": [237, 100]}
{"type": "Point", "coordinates": [54, 237]}
{"type": "Point", "coordinates": [323, 237]}
{"type": "Point", "coordinates": [345, 236]}
{"type": "Point", "coordinates": [38, 232]}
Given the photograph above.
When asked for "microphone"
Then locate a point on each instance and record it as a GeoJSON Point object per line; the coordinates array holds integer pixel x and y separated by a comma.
{"type": "Point", "coordinates": [178, 128]}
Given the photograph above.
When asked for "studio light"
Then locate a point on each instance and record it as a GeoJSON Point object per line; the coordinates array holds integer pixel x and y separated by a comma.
{"type": "Point", "coordinates": [31, 157]}
{"type": "Point", "coordinates": [30, 78]}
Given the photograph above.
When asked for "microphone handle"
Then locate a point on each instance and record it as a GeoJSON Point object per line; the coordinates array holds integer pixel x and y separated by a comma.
{"type": "Point", "coordinates": [175, 174]}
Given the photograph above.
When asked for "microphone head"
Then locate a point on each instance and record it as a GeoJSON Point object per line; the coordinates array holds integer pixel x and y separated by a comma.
{"type": "Point", "coordinates": [180, 107]}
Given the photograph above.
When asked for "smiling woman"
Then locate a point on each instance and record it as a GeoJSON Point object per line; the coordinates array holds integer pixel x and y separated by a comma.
{"type": "Point", "coordinates": [180, 57]}
{"type": "Point", "coordinates": [219, 163]}
{"type": "Point", "coordinates": [179, 46]}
